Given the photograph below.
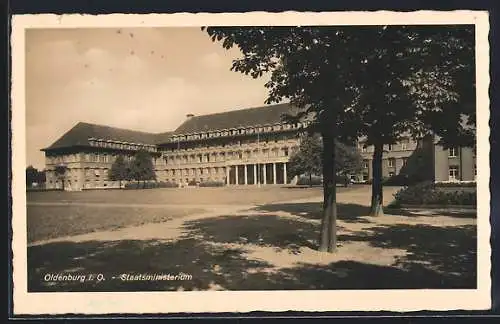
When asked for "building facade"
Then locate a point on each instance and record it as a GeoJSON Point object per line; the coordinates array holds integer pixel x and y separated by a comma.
{"type": "Point", "coordinates": [241, 147]}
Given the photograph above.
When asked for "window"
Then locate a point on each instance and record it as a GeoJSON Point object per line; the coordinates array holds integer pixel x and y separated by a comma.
{"type": "Point", "coordinates": [389, 147]}
{"type": "Point", "coordinates": [363, 148]}
{"type": "Point", "coordinates": [453, 173]}
{"type": "Point", "coordinates": [405, 161]}
{"type": "Point", "coordinates": [286, 151]}
{"type": "Point", "coordinates": [404, 145]}
{"type": "Point", "coordinates": [365, 164]}
{"type": "Point", "coordinates": [365, 176]}
{"type": "Point", "coordinates": [453, 152]}
{"type": "Point", "coordinates": [391, 163]}
{"type": "Point", "coordinates": [475, 172]}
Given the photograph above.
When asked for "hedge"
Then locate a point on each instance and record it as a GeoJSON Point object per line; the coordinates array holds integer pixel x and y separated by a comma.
{"type": "Point", "coordinates": [212, 184]}
{"type": "Point", "coordinates": [316, 181]}
{"type": "Point", "coordinates": [427, 193]}
{"type": "Point", "coordinates": [451, 184]}
{"type": "Point", "coordinates": [150, 185]}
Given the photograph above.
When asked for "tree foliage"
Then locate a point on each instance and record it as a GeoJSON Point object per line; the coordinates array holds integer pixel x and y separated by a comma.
{"type": "Point", "coordinates": [33, 175]}
{"type": "Point", "coordinates": [308, 158]}
{"type": "Point", "coordinates": [141, 167]}
{"type": "Point", "coordinates": [60, 171]}
{"type": "Point", "coordinates": [119, 170]}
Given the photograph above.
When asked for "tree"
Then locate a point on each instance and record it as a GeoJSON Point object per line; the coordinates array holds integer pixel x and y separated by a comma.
{"type": "Point", "coordinates": [411, 82]}
{"type": "Point", "coordinates": [60, 171]}
{"type": "Point", "coordinates": [332, 74]}
{"type": "Point", "coordinates": [307, 159]}
{"type": "Point", "coordinates": [31, 175]}
{"type": "Point", "coordinates": [41, 177]}
{"type": "Point", "coordinates": [119, 170]}
{"type": "Point", "coordinates": [307, 69]}
{"type": "Point", "coordinates": [141, 167]}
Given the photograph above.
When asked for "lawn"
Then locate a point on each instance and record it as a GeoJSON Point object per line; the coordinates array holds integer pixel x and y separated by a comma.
{"type": "Point", "coordinates": [54, 214]}
{"type": "Point", "coordinates": [183, 196]}
{"type": "Point", "coordinates": [48, 222]}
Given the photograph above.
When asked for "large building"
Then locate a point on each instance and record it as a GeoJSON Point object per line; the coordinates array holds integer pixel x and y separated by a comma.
{"type": "Point", "coordinates": [241, 147]}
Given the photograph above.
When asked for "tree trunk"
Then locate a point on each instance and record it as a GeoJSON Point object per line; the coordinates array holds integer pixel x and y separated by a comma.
{"type": "Point", "coordinates": [328, 240]}
{"type": "Point", "coordinates": [120, 183]}
{"type": "Point", "coordinates": [310, 180]}
{"type": "Point", "coordinates": [377, 189]}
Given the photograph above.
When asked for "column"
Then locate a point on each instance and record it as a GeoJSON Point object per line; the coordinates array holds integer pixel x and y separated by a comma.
{"type": "Point", "coordinates": [245, 167]}
{"type": "Point", "coordinates": [227, 175]}
{"type": "Point", "coordinates": [255, 174]}
{"type": "Point", "coordinates": [236, 174]}
{"type": "Point", "coordinates": [284, 173]}
{"type": "Point", "coordinates": [274, 173]}
{"type": "Point", "coordinates": [264, 171]}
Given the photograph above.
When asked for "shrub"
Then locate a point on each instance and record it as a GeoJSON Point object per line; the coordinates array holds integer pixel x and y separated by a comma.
{"type": "Point", "coordinates": [212, 184]}
{"type": "Point", "coordinates": [314, 181]}
{"type": "Point", "coordinates": [150, 185]}
{"type": "Point", "coordinates": [167, 184]}
{"type": "Point", "coordinates": [452, 184]}
{"type": "Point", "coordinates": [427, 193]}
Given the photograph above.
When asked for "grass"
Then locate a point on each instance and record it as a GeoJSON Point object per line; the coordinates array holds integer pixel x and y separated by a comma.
{"type": "Point", "coordinates": [48, 222]}
{"type": "Point", "coordinates": [182, 196]}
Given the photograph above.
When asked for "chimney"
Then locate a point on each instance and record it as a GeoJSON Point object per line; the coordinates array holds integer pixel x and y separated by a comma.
{"type": "Point", "coordinates": [189, 116]}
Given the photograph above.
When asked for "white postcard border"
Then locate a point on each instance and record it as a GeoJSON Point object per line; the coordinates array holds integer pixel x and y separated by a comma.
{"type": "Point", "coordinates": [239, 301]}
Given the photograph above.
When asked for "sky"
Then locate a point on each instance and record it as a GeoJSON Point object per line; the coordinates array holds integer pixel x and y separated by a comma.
{"type": "Point", "coordinates": [145, 79]}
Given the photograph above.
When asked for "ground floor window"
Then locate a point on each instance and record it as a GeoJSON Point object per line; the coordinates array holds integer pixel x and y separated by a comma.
{"type": "Point", "coordinates": [365, 176]}
{"type": "Point", "coordinates": [453, 174]}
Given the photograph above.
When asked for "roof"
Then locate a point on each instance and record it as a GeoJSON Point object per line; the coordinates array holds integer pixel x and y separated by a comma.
{"type": "Point", "coordinates": [79, 136]}
{"type": "Point", "coordinates": [237, 118]}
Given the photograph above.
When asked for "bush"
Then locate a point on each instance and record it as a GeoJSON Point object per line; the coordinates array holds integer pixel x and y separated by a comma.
{"type": "Point", "coordinates": [427, 193]}
{"type": "Point", "coordinates": [461, 184]}
{"type": "Point", "coordinates": [150, 185]}
{"type": "Point", "coordinates": [212, 184]}
{"type": "Point", "coordinates": [305, 181]}
{"type": "Point", "coordinates": [167, 184]}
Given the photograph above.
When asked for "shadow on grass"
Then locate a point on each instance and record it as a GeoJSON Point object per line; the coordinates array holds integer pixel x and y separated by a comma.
{"type": "Point", "coordinates": [280, 233]}
{"type": "Point", "coordinates": [206, 263]}
{"type": "Point", "coordinates": [450, 250]}
{"type": "Point", "coordinates": [464, 213]}
{"type": "Point", "coordinates": [314, 210]}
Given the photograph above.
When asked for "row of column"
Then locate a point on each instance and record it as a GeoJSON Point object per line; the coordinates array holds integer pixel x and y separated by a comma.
{"type": "Point", "coordinates": [259, 174]}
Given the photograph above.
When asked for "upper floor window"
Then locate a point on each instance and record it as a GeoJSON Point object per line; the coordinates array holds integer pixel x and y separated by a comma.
{"type": "Point", "coordinates": [453, 152]}
{"type": "Point", "coordinates": [389, 147]}
{"type": "Point", "coordinates": [404, 144]}
{"type": "Point", "coordinates": [391, 163]}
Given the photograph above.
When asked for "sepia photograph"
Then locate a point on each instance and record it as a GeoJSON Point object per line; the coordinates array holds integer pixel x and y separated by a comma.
{"type": "Point", "coordinates": [241, 162]}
